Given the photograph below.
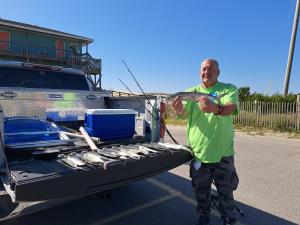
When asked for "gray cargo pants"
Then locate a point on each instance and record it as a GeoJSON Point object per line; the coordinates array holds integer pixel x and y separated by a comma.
{"type": "Point", "coordinates": [225, 179]}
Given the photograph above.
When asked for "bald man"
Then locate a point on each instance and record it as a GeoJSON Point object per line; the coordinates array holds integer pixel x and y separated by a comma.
{"type": "Point", "coordinates": [210, 134]}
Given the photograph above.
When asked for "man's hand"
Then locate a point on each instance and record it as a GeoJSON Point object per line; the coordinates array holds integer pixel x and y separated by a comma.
{"type": "Point", "coordinates": [207, 106]}
{"type": "Point", "coordinates": [177, 105]}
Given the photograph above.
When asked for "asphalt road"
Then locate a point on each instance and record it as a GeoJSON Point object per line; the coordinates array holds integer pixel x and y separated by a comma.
{"type": "Point", "coordinates": [269, 192]}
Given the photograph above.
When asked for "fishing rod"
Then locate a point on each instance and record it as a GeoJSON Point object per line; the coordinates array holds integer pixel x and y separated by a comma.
{"type": "Point", "coordinates": [136, 81]}
{"type": "Point", "coordinates": [161, 122]}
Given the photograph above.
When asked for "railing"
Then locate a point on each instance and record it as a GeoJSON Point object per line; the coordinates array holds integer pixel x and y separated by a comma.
{"type": "Point", "coordinates": [277, 115]}
{"type": "Point", "coordinates": [63, 57]}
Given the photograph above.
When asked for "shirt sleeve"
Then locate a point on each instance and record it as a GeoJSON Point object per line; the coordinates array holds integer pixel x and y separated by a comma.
{"type": "Point", "coordinates": [232, 96]}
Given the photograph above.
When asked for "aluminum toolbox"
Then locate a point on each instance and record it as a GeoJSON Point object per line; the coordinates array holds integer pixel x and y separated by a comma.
{"type": "Point", "coordinates": [57, 105]}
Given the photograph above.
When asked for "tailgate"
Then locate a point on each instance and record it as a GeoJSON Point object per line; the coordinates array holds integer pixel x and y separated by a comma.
{"type": "Point", "coordinates": [38, 180]}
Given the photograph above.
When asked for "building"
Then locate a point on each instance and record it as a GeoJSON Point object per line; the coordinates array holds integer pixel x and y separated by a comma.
{"type": "Point", "coordinates": [34, 44]}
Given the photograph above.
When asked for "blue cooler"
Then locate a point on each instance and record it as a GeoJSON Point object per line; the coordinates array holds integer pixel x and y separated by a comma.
{"type": "Point", "coordinates": [110, 124]}
{"type": "Point", "coordinates": [22, 129]}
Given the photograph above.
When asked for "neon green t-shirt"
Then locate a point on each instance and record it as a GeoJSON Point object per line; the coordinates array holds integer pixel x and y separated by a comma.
{"type": "Point", "coordinates": [210, 136]}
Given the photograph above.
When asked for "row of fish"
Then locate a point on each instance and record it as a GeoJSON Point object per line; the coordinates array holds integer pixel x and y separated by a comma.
{"type": "Point", "coordinates": [107, 155]}
{"type": "Point", "coordinates": [78, 160]}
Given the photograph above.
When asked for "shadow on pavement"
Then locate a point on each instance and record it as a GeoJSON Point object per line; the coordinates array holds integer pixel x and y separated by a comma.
{"type": "Point", "coordinates": [166, 199]}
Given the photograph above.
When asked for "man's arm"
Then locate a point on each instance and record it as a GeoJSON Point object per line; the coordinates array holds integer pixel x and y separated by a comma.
{"type": "Point", "coordinates": [210, 107]}
{"type": "Point", "coordinates": [228, 109]}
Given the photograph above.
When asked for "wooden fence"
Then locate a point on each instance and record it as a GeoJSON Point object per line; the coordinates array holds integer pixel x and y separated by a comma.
{"type": "Point", "coordinates": [277, 115]}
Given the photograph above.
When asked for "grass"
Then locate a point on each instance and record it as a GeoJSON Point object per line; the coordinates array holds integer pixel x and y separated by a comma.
{"type": "Point", "coordinates": [266, 131]}
{"type": "Point", "coordinates": [176, 122]}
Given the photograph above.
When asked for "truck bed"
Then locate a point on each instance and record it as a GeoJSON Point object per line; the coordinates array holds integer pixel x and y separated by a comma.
{"type": "Point", "coordinates": [39, 180]}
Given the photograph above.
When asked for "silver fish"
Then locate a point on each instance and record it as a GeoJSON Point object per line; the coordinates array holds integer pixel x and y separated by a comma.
{"type": "Point", "coordinates": [108, 152]}
{"type": "Point", "coordinates": [156, 147]}
{"type": "Point", "coordinates": [73, 161]}
{"type": "Point", "coordinates": [194, 96]}
{"type": "Point", "coordinates": [136, 149]}
{"type": "Point", "coordinates": [130, 154]}
{"type": "Point", "coordinates": [90, 157]}
{"type": "Point", "coordinates": [143, 148]}
{"type": "Point", "coordinates": [95, 158]}
{"type": "Point", "coordinates": [127, 152]}
{"type": "Point", "coordinates": [174, 146]}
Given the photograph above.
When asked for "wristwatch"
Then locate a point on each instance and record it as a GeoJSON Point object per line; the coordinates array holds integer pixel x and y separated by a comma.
{"type": "Point", "coordinates": [220, 109]}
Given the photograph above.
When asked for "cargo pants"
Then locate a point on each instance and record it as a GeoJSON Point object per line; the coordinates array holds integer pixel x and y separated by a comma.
{"type": "Point", "coordinates": [225, 178]}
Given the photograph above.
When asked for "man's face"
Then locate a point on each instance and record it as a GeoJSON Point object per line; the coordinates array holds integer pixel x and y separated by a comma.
{"type": "Point", "coordinates": [209, 73]}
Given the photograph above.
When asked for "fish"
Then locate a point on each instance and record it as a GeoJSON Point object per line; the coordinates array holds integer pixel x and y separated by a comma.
{"type": "Point", "coordinates": [127, 152]}
{"type": "Point", "coordinates": [195, 96]}
{"type": "Point", "coordinates": [143, 148]}
{"type": "Point", "coordinates": [139, 149]}
{"type": "Point", "coordinates": [134, 149]}
{"type": "Point", "coordinates": [95, 158]}
{"type": "Point", "coordinates": [156, 147]}
{"type": "Point", "coordinates": [72, 160]}
{"type": "Point", "coordinates": [90, 157]}
{"type": "Point", "coordinates": [130, 153]}
{"type": "Point", "coordinates": [174, 146]}
{"type": "Point", "coordinates": [117, 152]}
{"type": "Point", "coordinates": [108, 152]}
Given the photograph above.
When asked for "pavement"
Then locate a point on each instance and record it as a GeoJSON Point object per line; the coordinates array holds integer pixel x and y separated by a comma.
{"type": "Point", "coordinates": [268, 193]}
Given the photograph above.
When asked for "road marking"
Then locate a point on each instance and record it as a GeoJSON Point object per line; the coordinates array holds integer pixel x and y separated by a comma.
{"type": "Point", "coordinates": [172, 191]}
{"type": "Point", "coordinates": [133, 210]}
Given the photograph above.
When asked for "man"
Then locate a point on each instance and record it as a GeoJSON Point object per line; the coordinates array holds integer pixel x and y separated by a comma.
{"type": "Point", "coordinates": [210, 134]}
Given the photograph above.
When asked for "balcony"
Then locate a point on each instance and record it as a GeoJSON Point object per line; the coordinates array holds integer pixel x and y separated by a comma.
{"type": "Point", "coordinates": [53, 56]}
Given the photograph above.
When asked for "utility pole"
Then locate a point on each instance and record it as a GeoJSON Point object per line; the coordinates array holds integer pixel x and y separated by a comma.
{"type": "Point", "coordinates": [291, 51]}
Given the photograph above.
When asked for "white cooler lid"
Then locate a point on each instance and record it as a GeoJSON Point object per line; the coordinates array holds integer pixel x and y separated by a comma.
{"type": "Point", "coordinates": [110, 111]}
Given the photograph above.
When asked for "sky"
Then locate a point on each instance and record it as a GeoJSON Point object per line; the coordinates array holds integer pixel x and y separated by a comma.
{"type": "Point", "coordinates": [164, 41]}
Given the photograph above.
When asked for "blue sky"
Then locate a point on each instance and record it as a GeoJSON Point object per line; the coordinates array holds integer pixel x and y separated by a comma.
{"type": "Point", "coordinates": [164, 41]}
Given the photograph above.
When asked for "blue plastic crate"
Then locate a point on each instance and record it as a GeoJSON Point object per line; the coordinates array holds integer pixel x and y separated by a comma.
{"type": "Point", "coordinates": [110, 124]}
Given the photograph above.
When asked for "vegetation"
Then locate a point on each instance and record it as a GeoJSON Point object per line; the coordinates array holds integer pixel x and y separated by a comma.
{"type": "Point", "coordinates": [245, 95]}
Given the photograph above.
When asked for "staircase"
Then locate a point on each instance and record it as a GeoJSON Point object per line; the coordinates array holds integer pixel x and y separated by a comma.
{"type": "Point", "coordinates": [90, 65]}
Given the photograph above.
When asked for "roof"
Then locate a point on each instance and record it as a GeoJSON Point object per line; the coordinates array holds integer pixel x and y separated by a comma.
{"type": "Point", "coordinates": [28, 27]}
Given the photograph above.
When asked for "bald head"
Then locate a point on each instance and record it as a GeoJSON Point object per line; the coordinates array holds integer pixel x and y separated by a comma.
{"type": "Point", "coordinates": [209, 72]}
{"type": "Point", "coordinates": [212, 61]}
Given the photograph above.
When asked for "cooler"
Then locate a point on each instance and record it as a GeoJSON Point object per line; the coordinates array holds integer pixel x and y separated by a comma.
{"type": "Point", "coordinates": [110, 124]}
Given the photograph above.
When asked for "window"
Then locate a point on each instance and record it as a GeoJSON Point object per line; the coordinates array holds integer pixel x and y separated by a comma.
{"type": "Point", "coordinates": [32, 78]}
{"type": "Point", "coordinates": [74, 47]}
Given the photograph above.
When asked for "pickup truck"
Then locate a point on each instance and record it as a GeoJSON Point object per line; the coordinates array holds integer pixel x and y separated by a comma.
{"type": "Point", "coordinates": [37, 174]}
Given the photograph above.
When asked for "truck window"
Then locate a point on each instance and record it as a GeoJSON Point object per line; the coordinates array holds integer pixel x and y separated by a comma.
{"type": "Point", "coordinates": [31, 78]}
